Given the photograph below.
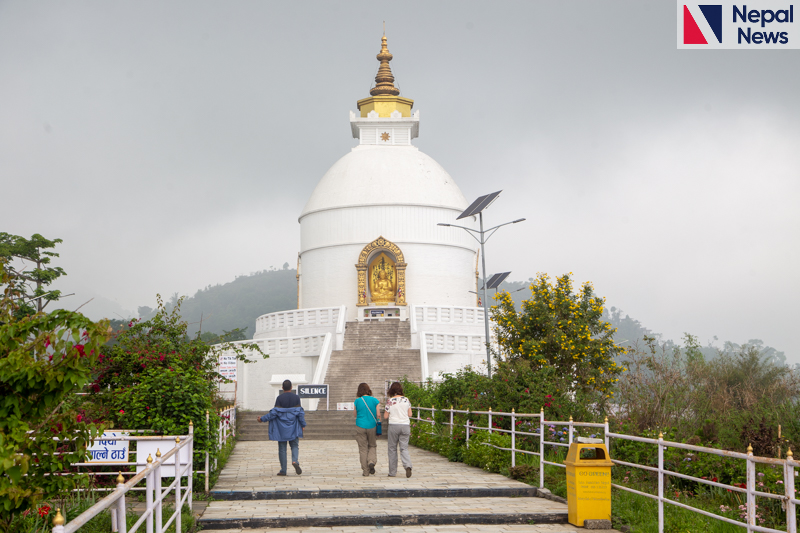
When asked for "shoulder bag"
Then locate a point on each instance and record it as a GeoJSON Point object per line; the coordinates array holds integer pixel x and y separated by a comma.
{"type": "Point", "coordinates": [378, 427]}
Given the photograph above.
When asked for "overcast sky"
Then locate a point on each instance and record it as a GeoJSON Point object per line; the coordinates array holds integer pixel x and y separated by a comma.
{"type": "Point", "coordinates": [172, 145]}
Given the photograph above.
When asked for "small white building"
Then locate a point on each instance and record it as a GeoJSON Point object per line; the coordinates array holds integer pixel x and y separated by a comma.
{"type": "Point", "coordinates": [371, 250]}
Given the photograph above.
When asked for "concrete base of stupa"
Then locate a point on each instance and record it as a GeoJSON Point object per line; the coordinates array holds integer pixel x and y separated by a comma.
{"type": "Point", "coordinates": [303, 343]}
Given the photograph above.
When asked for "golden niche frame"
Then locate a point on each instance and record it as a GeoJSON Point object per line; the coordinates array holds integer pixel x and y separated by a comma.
{"type": "Point", "coordinates": [381, 244]}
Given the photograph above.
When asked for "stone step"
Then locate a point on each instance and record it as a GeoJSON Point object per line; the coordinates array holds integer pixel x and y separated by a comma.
{"type": "Point", "coordinates": [379, 512]}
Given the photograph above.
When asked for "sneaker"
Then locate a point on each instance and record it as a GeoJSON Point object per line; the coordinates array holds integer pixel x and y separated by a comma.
{"type": "Point", "coordinates": [297, 468]}
{"type": "Point", "coordinates": [408, 471]}
{"type": "Point", "coordinates": [372, 468]}
{"type": "Point", "coordinates": [281, 473]}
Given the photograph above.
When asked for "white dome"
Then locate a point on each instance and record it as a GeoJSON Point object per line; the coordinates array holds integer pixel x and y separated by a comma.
{"type": "Point", "coordinates": [385, 175]}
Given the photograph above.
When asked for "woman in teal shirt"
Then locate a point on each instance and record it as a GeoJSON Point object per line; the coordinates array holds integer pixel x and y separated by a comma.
{"type": "Point", "coordinates": [367, 413]}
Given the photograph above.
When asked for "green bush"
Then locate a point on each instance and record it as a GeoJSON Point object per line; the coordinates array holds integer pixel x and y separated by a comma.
{"type": "Point", "coordinates": [155, 377]}
{"type": "Point", "coordinates": [45, 358]}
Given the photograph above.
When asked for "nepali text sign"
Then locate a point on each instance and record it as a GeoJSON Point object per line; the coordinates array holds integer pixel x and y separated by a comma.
{"type": "Point", "coordinates": [312, 391]}
{"type": "Point", "coordinates": [109, 448]}
{"type": "Point", "coordinates": [227, 366]}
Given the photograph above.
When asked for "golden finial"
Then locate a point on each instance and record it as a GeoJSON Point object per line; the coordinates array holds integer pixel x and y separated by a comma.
{"type": "Point", "coordinates": [606, 420]}
{"type": "Point", "coordinates": [149, 458]}
{"type": "Point", "coordinates": [570, 418]}
{"type": "Point", "coordinates": [190, 424]}
{"type": "Point", "coordinates": [158, 452]}
{"type": "Point", "coordinates": [543, 408]}
{"type": "Point", "coordinates": [384, 81]}
{"type": "Point", "coordinates": [789, 454]}
{"type": "Point", "coordinates": [750, 449]}
{"type": "Point", "coordinates": [490, 409]}
{"type": "Point", "coordinates": [177, 440]}
{"type": "Point", "coordinates": [660, 435]}
{"type": "Point", "coordinates": [512, 411]}
{"type": "Point", "coordinates": [120, 479]}
{"type": "Point", "coordinates": [58, 520]}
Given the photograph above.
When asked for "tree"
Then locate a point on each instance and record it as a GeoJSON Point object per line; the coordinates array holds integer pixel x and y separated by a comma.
{"type": "Point", "coordinates": [557, 328]}
{"type": "Point", "coordinates": [33, 295]}
{"type": "Point", "coordinates": [44, 360]}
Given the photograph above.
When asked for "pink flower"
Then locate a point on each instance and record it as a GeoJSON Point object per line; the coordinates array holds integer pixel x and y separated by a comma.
{"type": "Point", "coordinates": [80, 349]}
{"type": "Point", "coordinates": [779, 482]}
{"type": "Point", "coordinates": [122, 411]}
{"type": "Point", "coordinates": [80, 418]}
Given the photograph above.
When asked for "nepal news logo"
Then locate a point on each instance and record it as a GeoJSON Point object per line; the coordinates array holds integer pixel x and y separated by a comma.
{"type": "Point", "coordinates": [731, 25]}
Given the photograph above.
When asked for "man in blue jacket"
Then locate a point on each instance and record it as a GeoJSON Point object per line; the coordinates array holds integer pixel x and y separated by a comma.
{"type": "Point", "coordinates": [287, 420]}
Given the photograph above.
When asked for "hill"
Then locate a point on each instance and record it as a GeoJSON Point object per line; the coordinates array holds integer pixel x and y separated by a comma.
{"type": "Point", "coordinates": [237, 304]}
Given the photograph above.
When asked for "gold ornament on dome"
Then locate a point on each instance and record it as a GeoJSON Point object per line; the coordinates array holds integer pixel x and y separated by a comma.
{"type": "Point", "coordinates": [384, 81]}
{"type": "Point", "coordinates": [376, 279]}
{"type": "Point", "coordinates": [382, 280]}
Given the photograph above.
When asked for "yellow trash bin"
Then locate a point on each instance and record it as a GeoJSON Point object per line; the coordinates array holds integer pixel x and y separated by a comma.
{"type": "Point", "coordinates": [588, 481]}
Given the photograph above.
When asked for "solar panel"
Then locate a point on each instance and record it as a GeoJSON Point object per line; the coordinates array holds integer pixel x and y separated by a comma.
{"type": "Point", "coordinates": [495, 281]}
{"type": "Point", "coordinates": [479, 205]}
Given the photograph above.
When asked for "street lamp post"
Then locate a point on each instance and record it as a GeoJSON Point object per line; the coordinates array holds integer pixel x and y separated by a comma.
{"type": "Point", "coordinates": [477, 208]}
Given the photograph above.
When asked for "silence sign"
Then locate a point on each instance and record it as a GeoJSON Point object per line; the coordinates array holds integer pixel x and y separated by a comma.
{"type": "Point", "coordinates": [312, 391]}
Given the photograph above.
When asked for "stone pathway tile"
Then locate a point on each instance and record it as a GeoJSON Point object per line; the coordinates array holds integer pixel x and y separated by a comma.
{"type": "Point", "coordinates": [314, 508]}
{"type": "Point", "coordinates": [334, 465]}
{"type": "Point", "coordinates": [469, 528]}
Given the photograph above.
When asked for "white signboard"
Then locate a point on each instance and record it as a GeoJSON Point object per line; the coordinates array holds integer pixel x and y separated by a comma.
{"type": "Point", "coordinates": [152, 446]}
{"type": "Point", "coordinates": [109, 449]}
{"type": "Point", "coordinates": [227, 366]}
{"type": "Point", "coordinates": [345, 406]}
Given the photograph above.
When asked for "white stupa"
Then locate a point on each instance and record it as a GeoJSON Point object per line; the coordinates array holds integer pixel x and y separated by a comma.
{"type": "Point", "coordinates": [371, 250]}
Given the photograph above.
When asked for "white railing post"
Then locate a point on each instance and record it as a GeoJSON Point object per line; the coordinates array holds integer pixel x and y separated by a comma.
{"type": "Point", "coordinates": [513, 439]}
{"type": "Point", "coordinates": [190, 471]}
{"type": "Point", "coordinates": [490, 420]}
{"type": "Point", "coordinates": [788, 483]}
{"type": "Point", "coordinates": [541, 448]}
{"type": "Point", "coordinates": [148, 496]}
{"type": "Point", "coordinates": [751, 487]}
{"type": "Point", "coordinates": [122, 520]}
{"type": "Point", "coordinates": [467, 429]}
{"type": "Point", "coordinates": [157, 485]}
{"type": "Point", "coordinates": [660, 483]}
{"type": "Point", "coordinates": [605, 434]}
{"type": "Point", "coordinates": [451, 420]}
{"type": "Point", "coordinates": [570, 430]}
{"type": "Point", "coordinates": [58, 522]}
{"type": "Point", "coordinates": [207, 433]}
{"type": "Point", "coordinates": [178, 476]}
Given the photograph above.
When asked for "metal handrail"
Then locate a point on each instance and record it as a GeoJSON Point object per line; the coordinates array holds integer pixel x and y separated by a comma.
{"type": "Point", "coordinates": [788, 499]}
{"type": "Point", "coordinates": [152, 476]}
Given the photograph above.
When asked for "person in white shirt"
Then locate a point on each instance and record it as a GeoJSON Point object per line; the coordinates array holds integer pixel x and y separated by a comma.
{"type": "Point", "coordinates": [398, 412]}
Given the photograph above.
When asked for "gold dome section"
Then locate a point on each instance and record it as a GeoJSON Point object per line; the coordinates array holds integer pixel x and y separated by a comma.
{"type": "Point", "coordinates": [385, 97]}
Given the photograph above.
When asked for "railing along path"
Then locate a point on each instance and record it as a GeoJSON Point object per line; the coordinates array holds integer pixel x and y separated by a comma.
{"type": "Point", "coordinates": [155, 493]}
{"type": "Point", "coordinates": [788, 500]}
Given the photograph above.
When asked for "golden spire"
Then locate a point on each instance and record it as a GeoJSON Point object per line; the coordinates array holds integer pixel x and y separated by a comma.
{"type": "Point", "coordinates": [384, 81]}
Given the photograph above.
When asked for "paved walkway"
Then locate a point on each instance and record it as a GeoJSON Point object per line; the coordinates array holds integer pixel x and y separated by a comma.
{"type": "Point", "coordinates": [332, 496]}
{"type": "Point", "coordinates": [334, 465]}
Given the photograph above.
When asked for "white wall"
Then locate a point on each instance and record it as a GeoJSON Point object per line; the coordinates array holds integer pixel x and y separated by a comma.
{"type": "Point", "coordinates": [441, 261]}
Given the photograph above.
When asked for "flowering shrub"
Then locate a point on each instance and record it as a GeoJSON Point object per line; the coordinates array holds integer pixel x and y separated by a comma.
{"type": "Point", "coordinates": [561, 330]}
{"type": "Point", "coordinates": [45, 358]}
{"type": "Point", "coordinates": [155, 377]}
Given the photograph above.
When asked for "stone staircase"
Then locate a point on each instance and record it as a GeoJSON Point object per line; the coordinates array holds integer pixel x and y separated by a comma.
{"type": "Point", "coordinates": [372, 353]}
{"type": "Point", "coordinates": [321, 425]}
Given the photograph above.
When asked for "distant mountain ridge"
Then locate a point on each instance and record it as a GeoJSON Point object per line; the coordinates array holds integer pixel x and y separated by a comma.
{"type": "Point", "coordinates": [237, 304]}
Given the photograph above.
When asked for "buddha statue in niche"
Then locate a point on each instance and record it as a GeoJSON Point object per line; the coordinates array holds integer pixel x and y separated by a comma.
{"type": "Point", "coordinates": [382, 278]}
